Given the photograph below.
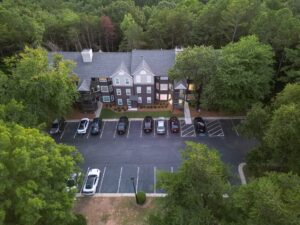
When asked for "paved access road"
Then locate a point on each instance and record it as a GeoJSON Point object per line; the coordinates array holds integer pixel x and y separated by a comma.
{"type": "Point", "coordinates": [141, 156]}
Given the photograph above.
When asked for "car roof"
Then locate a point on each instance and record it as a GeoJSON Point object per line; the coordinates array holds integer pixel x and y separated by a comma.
{"type": "Point", "coordinates": [160, 123]}
{"type": "Point", "coordinates": [94, 172]}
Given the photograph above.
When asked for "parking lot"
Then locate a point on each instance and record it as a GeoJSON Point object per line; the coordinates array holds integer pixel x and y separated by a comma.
{"type": "Point", "coordinates": [139, 155]}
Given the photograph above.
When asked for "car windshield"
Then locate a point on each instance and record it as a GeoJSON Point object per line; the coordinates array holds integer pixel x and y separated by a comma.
{"type": "Point", "coordinates": [121, 125]}
{"type": "Point", "coordinates": [90, 181]}
{"type": "Point", "coordinates": [81, 125]}
{"type": "Point", "coordinates": [160, 125]}
{"type": "Point", "coordinates": [174, 124]}
{"type": "Point", "coordinates": [147, 124]}
{"type": "Point", "coordinates": [54, 125]}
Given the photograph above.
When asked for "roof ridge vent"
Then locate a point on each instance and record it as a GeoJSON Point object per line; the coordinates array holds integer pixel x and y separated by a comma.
{"type": "Point", "coordinates": [87, 55]}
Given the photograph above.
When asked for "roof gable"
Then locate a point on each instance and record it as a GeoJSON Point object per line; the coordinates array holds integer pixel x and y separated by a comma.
{"type": "Point", "coordinates": [121, 71]}
{"type": "Point", "coordinates": [143, 69]}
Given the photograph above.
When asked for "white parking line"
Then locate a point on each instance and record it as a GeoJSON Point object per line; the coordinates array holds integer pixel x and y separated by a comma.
{"type": "Point", "coordinates": [137, 178]}
{"type": "Point", "coordinates": [141, 134]}
{"type": "Point", "coordinates": [115, 130]}
{"type": "Point", "coordinates": [102, 129]}
{"type": "Point", "coordinates": [154, 131]}
{"type": "Point", "coordinates": [172, 169]}
{"type": "Point", "coordinates": [62, 134]}
{"type": "Point", "coordinates": [102, 178]}
{"type": "Point", "coordinates": [89, 131]}
{"type": "Point", "coordinates": [167, 128]}
{"type": "Point", "coordinates": [237, 133]}
{"type": "Point", "coordinates": [154, 186]}
{"type": "Point", "coordinates": [75, 134]}
{"type": "Point", "coordinates": [120, 179]}
{"type": "Point", "coordinates": [128, 130]}
{"type": "Point", "coordinates": [84, 180]}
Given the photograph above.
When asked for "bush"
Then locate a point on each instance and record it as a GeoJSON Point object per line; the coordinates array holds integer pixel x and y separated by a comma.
{"type": "Point", "coordinates": [141, 197]}
{"type": "Point", "coordinates": [79, 220]}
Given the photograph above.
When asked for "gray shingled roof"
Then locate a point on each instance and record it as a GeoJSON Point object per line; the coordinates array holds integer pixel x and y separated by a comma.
{"type": "Point", "coordinates": [160, 61]}
{"type": "Point", "coordinates": [104, 64]}
{"type": "Point", "coordinates": [84, 85]}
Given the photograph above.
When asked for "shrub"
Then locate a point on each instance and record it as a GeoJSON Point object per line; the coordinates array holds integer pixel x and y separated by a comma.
{"type": "Point", "coordinates": [79, 220]}
{"type": "Point", "coordinates": [141, 197]}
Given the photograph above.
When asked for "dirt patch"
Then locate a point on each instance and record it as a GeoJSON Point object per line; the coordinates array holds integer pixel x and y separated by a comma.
{"type": "Point", "coordinates": [114, 210]}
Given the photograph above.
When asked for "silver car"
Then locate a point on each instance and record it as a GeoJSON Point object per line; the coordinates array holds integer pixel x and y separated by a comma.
{"type": "Point", "coordinates": [161, 126]}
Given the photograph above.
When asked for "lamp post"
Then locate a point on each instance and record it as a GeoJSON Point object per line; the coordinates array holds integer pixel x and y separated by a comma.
{"type": "Point", "coordinates": [132, 179]}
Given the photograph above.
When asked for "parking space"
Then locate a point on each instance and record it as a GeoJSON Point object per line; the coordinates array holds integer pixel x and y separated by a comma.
{"type": "Point", "coordinates": [109, 131]}
{"type": "Point", "coordinates": [134, 129]}
{"type": "Point", "coordinates": [187, 130]}
{"type": "Point", "coordinates": [214, 128]}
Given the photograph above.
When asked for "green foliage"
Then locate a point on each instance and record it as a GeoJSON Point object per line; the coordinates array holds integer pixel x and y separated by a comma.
{"type": "Point", "coordinates": [195, 191]}
{"type": "Point", "coordinates": [279, 130]}
{"type": "Point", "coordinates": [243, 76]}
{"type": "Point", "coordinates": [273, 199]}
{"type": "Point", "coordinates": [141, 197]}
{"type": "Point", "coordinates": [33, 170]}
{"type": "Point", "coordinates": [79, 220]}
{"type": "Point", "coordinates": [43, 92]}
{"type": "Point", "coordinates": [292, 69]}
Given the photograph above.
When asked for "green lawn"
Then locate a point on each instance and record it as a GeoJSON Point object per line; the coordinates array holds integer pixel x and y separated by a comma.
{"type": "Point", "coordinates": [109, 114]}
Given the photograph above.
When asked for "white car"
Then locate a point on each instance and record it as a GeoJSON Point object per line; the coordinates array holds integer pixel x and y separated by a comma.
{"type": "Point", "coordinates": [91, 182]}
{"type": "Point", "coordinates": [161, 126]}
{"type": "Point", "coordinates": [83, 126]}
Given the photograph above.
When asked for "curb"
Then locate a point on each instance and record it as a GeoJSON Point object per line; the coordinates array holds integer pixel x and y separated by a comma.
{"type": "Point", "coordinates": [181, 118]}
{"type": "Point", "coordinates": [116, 195]}
{"type": "Point", "coordinates": [241, 173]}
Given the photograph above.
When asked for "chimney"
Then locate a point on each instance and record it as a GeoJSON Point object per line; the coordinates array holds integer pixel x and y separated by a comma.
{"type": "Point", "coordinates": [87, 55]}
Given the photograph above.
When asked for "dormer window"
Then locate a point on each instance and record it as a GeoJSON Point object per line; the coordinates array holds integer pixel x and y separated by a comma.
{"type": "Point", "coordinates": [138, 79]}
{"type": "Point", "coordinates": [143, 72]}
{"type": "Point", "coordinates": [117, 80]}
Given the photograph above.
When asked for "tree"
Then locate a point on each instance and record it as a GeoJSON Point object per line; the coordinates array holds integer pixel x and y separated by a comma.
{"type": "Point", "coordinates": [272, 199]}
{"type": "Point", "coordinates": [45, 92]}
{"type": "Point", "coordinates": [198, 64]}
{"type": "Point", "coordinates": [33, 170]}
{"type": "Point", "coordinates": [132, 34]}
{"type": "Point", "coordinates": [195, 191]}
{"type": "Point", "coordinates": [289, 95]}
{"type": "Point", "coordinates": [292, 69]}
{"type": "Point", "coordinates": [108, 32]}
{"type": "Point", "coordinates": [243, 77]}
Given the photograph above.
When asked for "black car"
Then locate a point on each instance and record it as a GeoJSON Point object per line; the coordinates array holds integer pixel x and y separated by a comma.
{"type": "Point", "coordinates": [122, 125]}
{"type": "Point", "coordinates": [148, 124]}
{"type": "Point", "coordinates": [57, 126]}
{"type": "Point", "coordinates": [96, 126]}
{"type": "Point", "coordinates": [174, 124]}
{"type": "Point", "coordinates": [199, 125]}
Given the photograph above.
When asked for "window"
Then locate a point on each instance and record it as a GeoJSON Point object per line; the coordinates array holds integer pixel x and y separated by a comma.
{"type": "Point", "coordinates": [163, 97]}
{"type": "Point", "coordinates": [163, 87]}
{"type": "Point", "coordinates": [128, 102]}
{"type": "Point", "coordinates": [118, 91]}
{"type": "Point", "coordinates": [138, 90]}
{"type": "Point", "coordinates": [127, 81]}
{"type": "Point", "coordinates": [191, 87]}
{"type": "Point", "coordinates": [98, 87]}
{"type": "Point", "coordinates": [110, 88]}
{"type": "Point", "coordinates": [120, 101]}
{"type": "Point", "coordinates": [157, 96]}
{"type": "Point", "coordinates": [104, 89]}
{"type": "Point", "coordinates": [148, 99]}
{"type": "Point", "coordinates": [148, 79]}
{"type": "Point", "coordinates": [140, 100]}
{"type": "Point", "coordinates": [143, 72]}
{"type": "Point", "coordinates": [148, 90]}
{"type": "Point", "coordinates": [128, 91]}
{"type": "Point", "coordinates": [105, 98]}
{"type": "Point", "coordinates": [117, 81]}
{"type": "Point", "coordinates": [157, 85]}
{"type": "Point", "coordinates": [138, 79]}
{"type": "Point", "coordinates": [163, 78]}
{"type": "Point", "coordinates": [112, 98]}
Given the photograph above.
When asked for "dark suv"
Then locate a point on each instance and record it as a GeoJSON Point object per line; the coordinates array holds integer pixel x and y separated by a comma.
{"type": "Point", "coordinates": [57, 126]}
{"type": "Point", "coordinates": [148, 124]}
{"type": "Point", "coordinates": [96, 126]}
{"type": "Point", "coordinates": [174, 124]}
{"type": "Point", "coordinates": [122, 125]}
{"type": "Point", "coordinates": [199, 125]}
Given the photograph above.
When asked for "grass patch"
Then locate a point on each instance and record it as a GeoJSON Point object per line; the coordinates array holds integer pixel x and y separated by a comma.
{"type": "Point", "coordinates": [109, 114]}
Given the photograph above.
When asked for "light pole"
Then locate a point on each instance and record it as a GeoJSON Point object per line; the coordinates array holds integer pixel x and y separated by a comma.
{"type": "Point", "coordinates": [132, 179]}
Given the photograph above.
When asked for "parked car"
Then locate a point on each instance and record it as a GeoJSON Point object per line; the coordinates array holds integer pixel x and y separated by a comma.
{"type": "Point", "coordinates": [174, 124]}
{"type": "Point", "coordinates": [96, 126]}
{"type": "Point", "coordinates": [161, 126]}
{"type": "Point", "coordinates": [199, 125]}
{"type": "Point", "coordinates": [73, 181]}
{"type": "Point", "coordinates": [57, 126]}
{"type": "Point", "coordinates": [122, 125]}
{"type": "Point", "coordinates": [148, 124]}
{"type": "Point", "coordinates": [83, 126]}
{"type": "Point", "coordinates": [91, 182]}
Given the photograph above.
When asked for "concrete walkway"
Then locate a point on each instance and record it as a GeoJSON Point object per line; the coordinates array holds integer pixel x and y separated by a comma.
{"type": "Point", "coordinates": [187, 113]}
{"type": "Point", "coordinates": [241, 173]}
{"type": "Point", "coordinates": [98, 111]}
